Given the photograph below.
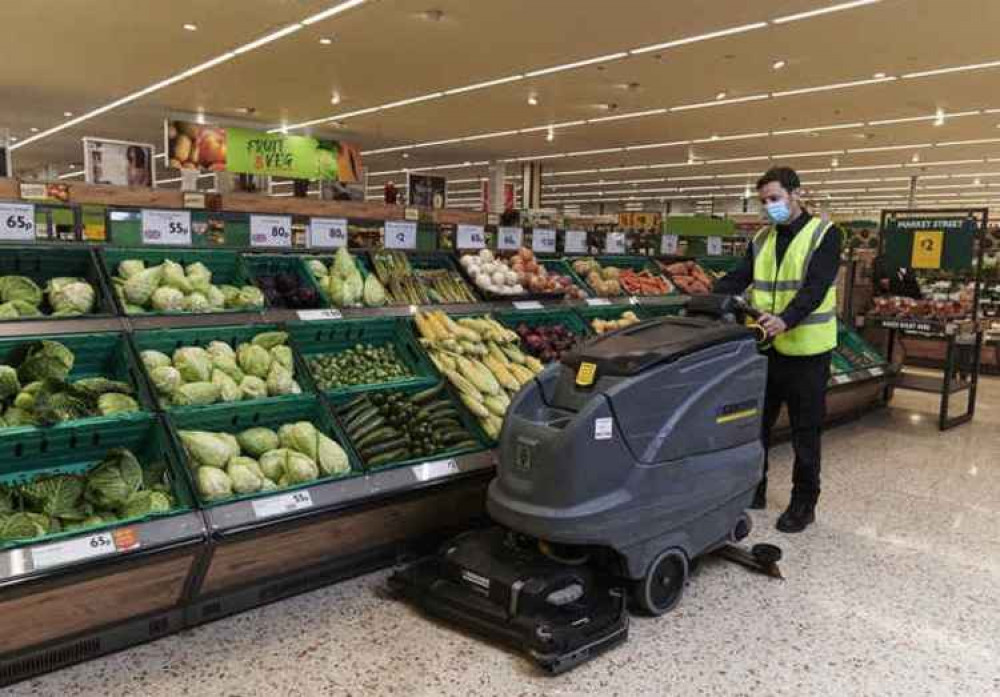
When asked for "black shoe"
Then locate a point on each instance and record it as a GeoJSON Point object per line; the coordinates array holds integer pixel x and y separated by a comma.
{"type": "Point", "coordinates": [797, 517]}
{"type": "Point", "coordinates": [759, 498]}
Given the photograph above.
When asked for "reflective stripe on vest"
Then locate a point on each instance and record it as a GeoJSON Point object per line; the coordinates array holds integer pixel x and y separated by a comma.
{"type": "Point", "coordinates": [774, 288]}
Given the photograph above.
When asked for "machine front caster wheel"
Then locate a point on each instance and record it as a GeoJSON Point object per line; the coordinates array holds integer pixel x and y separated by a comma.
{"type": "Point", "coordinates": [661, 589]}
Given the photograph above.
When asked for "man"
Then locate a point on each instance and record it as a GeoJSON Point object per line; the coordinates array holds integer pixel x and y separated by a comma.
{"type": "Point", "coordinates": [791, 267]}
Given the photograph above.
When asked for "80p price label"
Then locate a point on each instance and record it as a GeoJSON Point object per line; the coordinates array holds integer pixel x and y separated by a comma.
{"type": "Point", "coordinates": [17, 222]}
{"type": "Point", "coordinates": [270, 231]}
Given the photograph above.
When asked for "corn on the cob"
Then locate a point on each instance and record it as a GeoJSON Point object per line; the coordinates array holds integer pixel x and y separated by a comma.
{"type": "Point", "coordinates": [513, 353]}
{"type": "Point", "coordinates": [443, 359]}
{"type": "Point", "coordinates": [521, 373]}
{"type": "Point", "coordinates": [458, 330]}
{"type": "Point", "coordinates": [496, 405]}
{"type": "Point", "coordinates": [425, 327]}
{"type": "Point", "coordinates": [492, 425]}
{"type": "Point", "coordinates": [500, 372]}
{"type": "Point", "coordinates": [477, 408]}
{"type": "Point", "coordinates": [463, 385]}
{"type": "Point", "coordinates": [497, 353]}
{"type": "Point", "coordinates": [473, 348]}
{"type": "Point", "coordinates": [478, 374]}
{"type": "Point", "coordinates": [533, 364]}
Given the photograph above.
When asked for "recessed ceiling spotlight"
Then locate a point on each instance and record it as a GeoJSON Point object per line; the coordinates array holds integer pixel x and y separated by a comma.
{"type": "Point", "coordinates": [720, 95]}
{"type": "Point", "coordinates": [532, 100]}
{"type": "Point", "coordinates": [72, 166]}
{"type": "Point", "coordinates": [34, 130]}
{"type": "Point", "coordinates": [406, 155]}
{"type": "Point", "coordinates": [335, 97]}
{"type": "Point", "coordinates": [432, 15]}
{"type": "Point", "coordinates": [778, 65]}
{"type": "Point", "coordinates": [13, 139]}
{"type": "Point", "coordinates": [326, 41]}
{"type": "Point", "coordinates": [939, 117]}
{"type": "Point", "coordinates": [915, 158]}
{"type": "Point", "coordinates": [191, 27]}
{"type": "Point", "coordinates": [67, 114]}
{"type": "Point", "coordinates": [977, 182]}
{"type": "Point", "coordinates": [715, 136]}
{"type": "Point", "coordinates": [247, 109]}
{"type": "Point", "coordinates": [835, 162]}
{"type": "Point", "coordinates": [878, 76]}
{"type": "Point", "coordinates": [551, 135]}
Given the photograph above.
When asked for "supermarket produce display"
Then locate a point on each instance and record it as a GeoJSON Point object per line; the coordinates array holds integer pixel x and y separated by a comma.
{"type": "Point", "coordinates": [427, 280]}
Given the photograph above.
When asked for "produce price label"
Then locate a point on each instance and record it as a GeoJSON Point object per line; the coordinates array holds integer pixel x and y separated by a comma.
{"type": "Point", "coordinates": [598, 301]}
{"type": "Point", "coordinates": [77, 549]}
{"type": "Point", "coordinates": [471, 237]}
{"type": "Point", "coordinates": [17, 222]}
{"type": "Point", "coordinates": [328, 232]}
{"type": "Point", "coordinates": [714, 246]}
{"type": "Point", "coordinates": [400, 235]}
{"type": "Point", "coordinates": [927, 248]}
{"type": "Point", "coordinates": [270, 231]}
{"type": "Point", "coordinates": [840, 379]}
{"type": "Point", "coordinates": [166, 227]}
{"type": "Point", "coordinates": [433, 470]}
{"type": "Point", "coordinates": [510, 238]}
{"type": "Point", "coordinates": [527, 305]}
{"type": "Point", "coordinates": [543, 240]}
{"type": "Point", "coordinates": [281, 504]}
{"type": "Point", "coordinates": [575, 242]}
{"type": "Point", "coordinates": [614, 243]}
{"type": "Point", "coordinates": [875, 372]}
{"type": "Point", "coordinates": [313, 315]}
{"type": "Point", "coordinates": [668, 244]}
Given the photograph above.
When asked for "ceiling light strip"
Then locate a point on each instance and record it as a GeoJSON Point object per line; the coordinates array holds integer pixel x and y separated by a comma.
{"type": "Point", "coordinates": [578, 64]}
{"type": "Point", "coordinates": [823, 11]}
{"type": "Point", "coordinates": [698, 38]}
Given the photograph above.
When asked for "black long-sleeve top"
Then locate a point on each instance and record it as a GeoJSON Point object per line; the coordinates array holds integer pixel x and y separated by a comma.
{"type": "Point", "coordinates": [820, 275]}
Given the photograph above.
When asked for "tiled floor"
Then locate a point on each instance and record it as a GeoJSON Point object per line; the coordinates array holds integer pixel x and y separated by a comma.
{"type": "Point", "coordinates": [895, 591]}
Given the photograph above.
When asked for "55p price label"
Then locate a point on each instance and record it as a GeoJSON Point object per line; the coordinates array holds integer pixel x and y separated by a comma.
{"type": "Point", "coordinates": [270, 231]}
{"type": "Point", "coordinates": [171, 228]}
{"type": "Point", "coordinates": [17, 222]}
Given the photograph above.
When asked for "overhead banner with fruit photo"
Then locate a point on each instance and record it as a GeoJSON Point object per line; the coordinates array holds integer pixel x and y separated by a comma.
{"type": "Point", "coordinates": [209, 148]}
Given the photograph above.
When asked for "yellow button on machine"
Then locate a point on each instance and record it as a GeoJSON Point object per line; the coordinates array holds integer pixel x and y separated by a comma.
{"type": "Point", "coordinates": [585, 374]}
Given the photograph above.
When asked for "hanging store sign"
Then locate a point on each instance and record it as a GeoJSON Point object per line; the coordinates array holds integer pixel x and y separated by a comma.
{"type": "Point", "coordinates": [117, 162]}
{"type": "Point", "coordinates": [470, 237]}
{"type": "Point", "coordinates": [575, 242]}
{"type": "Point", "coordinates": [400, 234]}
{"type": "Point", "coordinates": [925, 240]}
{"type": "Point", "coordinates": [212, 148]}
{"type": "Point", "coordinates": [927, 248]}
{"type": "Point", "coordinates": [668, 244]}
{"type": "Point", "coordinates": [426, 190]}
{"type": "Point", "coordinates": [614, 243]}
{"type": "Point", "coordinates": [713, 246]}
{"type": "Point", "coordinates": [543, 240]}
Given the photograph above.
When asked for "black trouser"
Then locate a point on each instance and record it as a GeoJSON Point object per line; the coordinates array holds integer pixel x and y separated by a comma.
{"type": "Point", "coordinates": [800, 383]}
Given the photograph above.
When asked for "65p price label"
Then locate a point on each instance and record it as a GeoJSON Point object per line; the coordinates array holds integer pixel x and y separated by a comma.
{"type": "Point", "coordinates": [17, 222]}
{"type": "Point", "coordinates": [471, 237]}
{"type": "Point", "coordinates": [166, 227]}
{"type": "Point", "coordinates": [270, 231]}
{"type": "Point", "coordinates": [400, 234]}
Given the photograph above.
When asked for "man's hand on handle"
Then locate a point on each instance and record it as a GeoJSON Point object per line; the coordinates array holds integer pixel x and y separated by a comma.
{"type": "Point", "coordinates": [772, 324]}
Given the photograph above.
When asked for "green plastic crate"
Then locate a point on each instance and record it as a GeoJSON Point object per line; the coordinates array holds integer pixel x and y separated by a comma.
{"type": "Point", "coordinates": [43, 262]}
{"type": "Point", "coordinates": [725, 264]}
{"type": "Point", "coordinates": [652, 311]}
{"type": "Point", "coordinates": [538, 318]}
{"type": "Point", "coordinates": [465, 417]}
{"type": "Point", "coordinates": [565, 268]}
{"type": "Point", "coordinates": [26, 455]}
{"type": "Point", "coordinates": [839, 364]}
{"type": "Point", "coordinates": [605, 312]}
{"type": "Point", "coordinates": [107, 355]}
{"type": "Point", "coordinates": [847, 339]}
{"type": "Point", "coordinates": [426, 261]}
{"type": "Point", "coordinates": [225, 265]}
{"type": "Point", "coordinates": [168, 340]}
{"type": "Point", "coordinates": [314, 338]}
{"type": "Point", "coordinates": [360, 261]}
{"type": "Point", "coordinates": [268, 264]}
{"type": "Point", "coordinates": [233, 419]}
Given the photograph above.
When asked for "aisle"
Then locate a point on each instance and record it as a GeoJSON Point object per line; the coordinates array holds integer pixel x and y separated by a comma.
{"type": "Point", "coordinates": [896, 591]}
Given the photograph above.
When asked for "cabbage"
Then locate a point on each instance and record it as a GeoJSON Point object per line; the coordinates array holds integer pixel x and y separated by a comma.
{"type": "Point", "coordinates": [196, 394]}
{"type": "Point", "coordinates": [76, 298]}
{"type": "Point", "coordinates": [208, 449]}
{"type": "Point", "coordinates": [231, 441]}
{"type": "Point", "coordinates": [229, 390]}
{"type": "Point", "coordinates": [354, 288]}
{"type": "Point", "coordinates": [268, 485]}
{"type": "Point", "coordinates": [273, 463]}
{"type": "Point", "coordinates": [114, 480]}
{"type": "Point", "coordinates": [197, 302]}
{"type": "Point", "coordinates": [130, 267]}
{"type": "Point", "coordinates": [337, 290]}
{"type": "Point", "coordinates": [20, 526]}
{"type": "Point", "coordinates": [20, 288]}
{"type": "Point", "coordinates": [24, 400]}
{"type": "Point", "coordinates": [300, 469]}
{"type": "Point", "coordinates": [55, 495]}
{"type": "Point", "coordinates": [332, 459]}
{"type": "Point", "coordinates": [374, 293]}
{"type": "Point", "coordinates": [198, 272]}
{"type": "Point", "coordinates": [228, 366]}
{"type": "Point", "coordinates": [213, 483]}
{"type": "Point", "coordinates": [46, 359]}
{"type": "Point", "coordinates": [116, 403]}
{"type": "Point", "coordinates": [253, 387]}
{"type": "Point", "coordinates": [317, 268]}
{"type": "Point", "coordinates": [280, 380]}
{"type": "Point", "coordinates": [269, 340]}
{"type": "Point", "coordinates": [173, 276]}
{"type": "Point", "coordinates": [9, 384]}
{"type": "Point", "coordinates": [244, 479]}
{"type": "Point", "coordinates": [133, 309]}
{"type": "Point", "coordinates": [257, 440]}
{"type": "Point", "coordinates": [166, 379]}
{"type": "Point", "coordinates": [248, 462]}
{"type": "Point", "coordinates": [143, 503]}
{"type": "Point", "coordinates": [8, 311]}
{"type": "Point", "coordinates": [301, 437]}
{"type": "Point", "coordinates": [139, 288]}
{"type": "Point", "coordinates": [343, 262]}
{"type": "Point", "coordinates": [25, 308]}
{"type": "Point", "coordinates": [216, 300]}
{"type": "Point", "coordinates": [216, 349]}
{"type": "Point", "coordinates": [253, 360]}
{"type": "Point", "coordinates": [167, 299]}
{"type": "Point", "coordinates": [57, 283]}
{"type": "Point", "coordinates": [282, 355]}
{"type": "Point", "coordinates": [231, 294]}
{"type": "Point", "coordinates": [249, 297]}
{"type": "Point", "coordinates": [154, 359]}
{"type": "Point", "coordinates": [194, 362]}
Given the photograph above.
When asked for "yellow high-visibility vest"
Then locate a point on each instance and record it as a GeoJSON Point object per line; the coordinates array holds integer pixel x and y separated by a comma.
{"type": "Point", "coordinates": [775, 286]}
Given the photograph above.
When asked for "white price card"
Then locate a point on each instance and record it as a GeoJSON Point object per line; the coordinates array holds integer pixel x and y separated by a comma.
{"type": "Point", "coordinates": [603, 428]}
{"type": "Point", "coordinates": [17, 222]}
{"type": "Point", "coordinates": [166, 227]}
{"type": "Point", "coordinates": [73, 550]}
{"type": "Point", "coordinates": [470, 237]}
{"type": "Point", "coordinates": [510, 238]}
{"type": "Point", "coordinates": [270, 231]}
{"type": "Point", "coordinates": [875, 372]}
{"type": "Point", "coordinates": [598, 301]}
{"type": "Point", "coordinates": [840, 379]}
{"type": "Point", "coordinates": [527, 305]}
{"type": "Point", "coordinates": [434, 470]}
{"type": "Point", "coordinates": [575, 242]}
{"type": "Point", "coordinates": [614, 243]}
{"type": "Point", "coordinates": [714, 246]}
{"type": "Point", "coordinates": [314, 315]}
{"type": "Point", "coordinates": [327, 232]}
{"type": "Point", "coordinates": [279, 504]}
{"type": "Point", "coordinates": [543, 240]}
{"type": "Point", "coordinates": [400, 234]}
{"type": "Point", "coordinates": [668, 244]}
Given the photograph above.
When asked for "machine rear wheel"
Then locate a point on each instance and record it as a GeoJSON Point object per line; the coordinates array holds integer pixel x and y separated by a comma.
{"type": "Point", "coordinates": [663, 585]}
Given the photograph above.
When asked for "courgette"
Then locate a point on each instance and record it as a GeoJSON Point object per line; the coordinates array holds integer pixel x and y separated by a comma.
{"type": "Point", "coordinates": [381, 434]}
{"type": "Point", "coordinates": [359, 419]}
{"type": "Point", "coordinates": [386, 458]}
{"type": "Point", "coordinates": [352, 403]}
{"type": "Point", "coordinates": [386, 447]}
{"type": "Point", "coordinates": [427, 395]}
{"type": "Point", "coordinates": [368, 427]}
{"type": "Point", "coordinates": [446, 424]}
{"type": "Point", "coordinates": [462, 445]}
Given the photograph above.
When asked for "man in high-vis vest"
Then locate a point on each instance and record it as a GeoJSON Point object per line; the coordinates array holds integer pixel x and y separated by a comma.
{"type": "Point", "coordinates": [790, 268]}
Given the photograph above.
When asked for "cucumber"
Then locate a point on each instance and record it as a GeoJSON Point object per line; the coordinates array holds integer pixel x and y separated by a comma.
{"type": "Point", "coordinates": [352, 403]}
{"type": "Point", "coordinates": [368, 427]}
{"type": "Point", "coordinates": [427, 395]}
{"type": "Point", "coordinates": [352, 424]}
{"type": "Point", "coordinates": [385, 447]}
{"type": "Point", "coordinates": [357, 409]}
{"type": "Point", "coordinates": [380, 434]}
{"type": "Point", "coordinates": [446, 424]}
{"type": "Point", "coordinates": [454, 436]}
{"type": "Point", "coordinates": [386, 458]}
{"type": "Point", "coordinates": [462, 445]}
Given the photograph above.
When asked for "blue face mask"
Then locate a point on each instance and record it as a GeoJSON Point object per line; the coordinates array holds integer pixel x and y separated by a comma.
{"type": "Point", "coordinates": [778, 212]}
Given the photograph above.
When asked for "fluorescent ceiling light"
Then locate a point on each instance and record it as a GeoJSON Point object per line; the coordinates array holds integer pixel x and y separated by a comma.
{"type": "Point", "coordinates": [721, 102]}
{"type": "Point", "coordinates": [600, 151]}
{"type": "Point", "coordinates": [700, 37]}
{"type": "Point", "coordinates": [264, 40]}
{"type": "Point", "coordinates": [412, 100]}
{"type": "Point", "coordinates": [432, 143]}
{"type": "Point", "coordinates": [887, 148]}
{"type": "Point", "coordinates": [578, 64]}
{"type": "Point", "coordinates": [484, 85]}
{"type": "Point", "coordinates": [738, 136]}
{"type": "Point", "coordinates": [650, 146]}
{"type": "Point", "coordinates": [834, 86]}
{"type": "Point", "coordinates": [953, 69]}
{"type": "Point", "coordinates": [818, 129]}
{"type": "Point", "coordinates": [70, 175]}
{"type": "Point", "coordinates": [382, 151]}
{"type": "Point", "coordinates": [969, 142]}
{"type": "Point", "coordinates": [815, 153]}
{"type": "Point", "coordinates": [737, 159]}
{"type": "Point", "coordinates": [823, 11]}
{"type": "Point", "coordinates": [494, 134]}
{"type": "Point", "coordinates": [335, 10]}
{"type": "Point", "coordinates": [633, 115]}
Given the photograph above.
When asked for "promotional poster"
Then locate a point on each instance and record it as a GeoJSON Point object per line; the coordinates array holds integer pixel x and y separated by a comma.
{"type": "Point", "coordinates": [117, 162]}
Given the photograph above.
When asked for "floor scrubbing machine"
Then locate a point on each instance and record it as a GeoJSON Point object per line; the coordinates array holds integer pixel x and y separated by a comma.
{"type": "Point", "coordinates": [617, 468]}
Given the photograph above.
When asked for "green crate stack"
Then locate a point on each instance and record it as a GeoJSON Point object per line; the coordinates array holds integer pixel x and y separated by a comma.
{"type": "Point", "coordinates": [316, 338]}
{"type": "Point", "coordinates": [27, 455]}
{"type": "Point", "coordinates": [168, 340]}
{"type": "Point", "coordinates": [234, 418]}
{"type": "Point", "coordinates": [106, 354]}
{"type": "Point", "coordinates": [41, 263]}
{"type": "Point", "coordinates": [225, 265]}
{"type": "Point", "coordinates": [467, 420]}
{"type": "Point", "coordinates": [360, 260]}
{"type": "Point", "coordinates": [270, 264]}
